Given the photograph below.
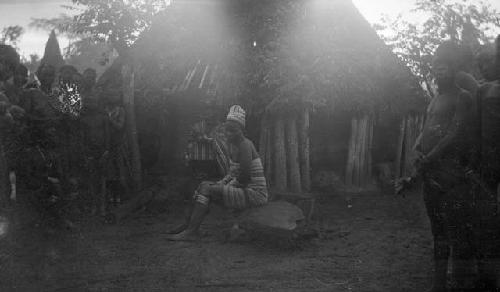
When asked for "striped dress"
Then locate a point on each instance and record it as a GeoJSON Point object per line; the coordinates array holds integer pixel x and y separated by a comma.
{"type": "Point", "coordinates": [254, 194]}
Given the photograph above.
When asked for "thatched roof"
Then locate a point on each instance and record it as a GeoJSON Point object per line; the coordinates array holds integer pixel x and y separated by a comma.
{"type": "Point", "coordinates": [185, 50]}
{"type": "Point", "coordinates": [302, 55]}
{"type": "Point", "coordinates": [337, 52]}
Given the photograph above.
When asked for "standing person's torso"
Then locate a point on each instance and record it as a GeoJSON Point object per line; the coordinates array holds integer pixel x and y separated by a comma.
{"type": "Point", "coordinates": [94, 131]}
{"type": "Point", "coordinates": [441, 119]}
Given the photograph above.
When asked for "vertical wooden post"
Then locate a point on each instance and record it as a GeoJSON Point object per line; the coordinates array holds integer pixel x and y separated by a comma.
{"type": "Point", "coordinates": [362, 150]}
{"type": "Point", "coordinates": [357, 153]}
{"type": "Point", "coordinates": [410, 141]}
{"type": "Point", "coordinates": [351, 153]}
{"type": "Point", "coordinates": [264, 149]}
{"type": "Point", "coordinates": [280, 176]}
{"type": "Point", "coordinates": [128, 101]}
{"type": "Point", "coordinates": [292, 154]}
{"type": "Point", "coordinates": [263, 140]}
{"type": "Point", "coordinates": [304, 146]}
{"type": "Point", "coordinates": [399, 149]}
{"type": "Point", "coordinates": [268, 165]}
{"type": "Point", "coordinates": [369, 150]}
{"type": "Point", "coordinates": [4, 182]}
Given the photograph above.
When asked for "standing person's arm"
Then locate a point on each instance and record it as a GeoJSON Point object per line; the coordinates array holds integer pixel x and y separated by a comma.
{"type": "Point", "coordinates": [467, 82]}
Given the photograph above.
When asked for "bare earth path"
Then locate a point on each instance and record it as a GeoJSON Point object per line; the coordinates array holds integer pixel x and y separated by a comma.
{"type": "Point", "coordinates": [382, 243]}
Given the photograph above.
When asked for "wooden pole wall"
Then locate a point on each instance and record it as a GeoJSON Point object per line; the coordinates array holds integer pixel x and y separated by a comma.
{"type": "Point", "coordinates": [410, 128]}
{"type": "Point", "coordinates": [285, 152]}
{"type": "Point", "coordinates": [359, 159]}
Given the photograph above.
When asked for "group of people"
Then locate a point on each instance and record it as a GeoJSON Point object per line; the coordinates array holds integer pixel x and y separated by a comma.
{"type": "Point", "coordinates": [61, 135]}
{"type": "Point", "coordinates": [44, 124]}
{"type": "Point", "coordinates": [458, 160]}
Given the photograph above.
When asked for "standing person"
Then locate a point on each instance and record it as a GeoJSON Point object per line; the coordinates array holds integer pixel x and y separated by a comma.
{"type": "Point", "coordinates": [117, 172]}
{"type": "Point", "coordinates": [487, 176]}
{"type": "Point", "coordinates": [95, 141]}
{"type": "Point", "coordinates": [46, 74]}
{"type": "Point", "coordinates": [89, 79]}
{"type": "Point", "coordinates": [9, 113]}
{"type": "Point", "coordinates": [244, 186]}
{"type": "Point", "coordinates": [40, 173]}
{"type": "Point", "coordinates": [443, 150]}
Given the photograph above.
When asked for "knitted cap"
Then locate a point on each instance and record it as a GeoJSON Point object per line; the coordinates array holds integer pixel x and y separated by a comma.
{"type": "Point", "coordinates": [236, 114]}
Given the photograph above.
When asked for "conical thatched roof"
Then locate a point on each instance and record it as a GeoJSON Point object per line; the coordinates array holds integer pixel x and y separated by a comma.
{"type": "Point", "coordinates": [52, 55]}
{"type": "Point", "coordinates": [187, 49]}
{"type": "Point", "coordinates": [340, 61]}
{"type": "Point", "coordinates": [274, 53]}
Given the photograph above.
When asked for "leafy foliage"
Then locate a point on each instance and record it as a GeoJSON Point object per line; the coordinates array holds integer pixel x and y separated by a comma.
{"type": "Point", "coordinates": [32, 62]}
{"type": "Point", "coordinates": [414, 43]}
{"type": "Point", "coordinates": [61, 24]}
{"type": "Point", "coordinates": [83, 52]}
{"type": "Point", "coordinates": [119, 22]}
{"type": "Point", "coordinates": [11, 34]}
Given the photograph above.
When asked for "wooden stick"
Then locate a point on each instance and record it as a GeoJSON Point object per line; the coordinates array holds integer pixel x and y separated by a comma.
{"type": "Point", "coordinates": [292, 153]}
{"type": "Point", "coordinates": [203, 77]}
{"type": "Point", "coordinates": [350, 153]}
{"type": "Point", "coordinates": [399, 149]}
{"type": "Point", "coordinates": [280, 176]}
{"type": "Point", "coordinates": [362, 153]}
{"type": "Point", "coordinates": [369, 150]}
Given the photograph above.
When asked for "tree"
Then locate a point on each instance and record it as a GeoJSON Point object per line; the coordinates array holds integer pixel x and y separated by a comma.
{"type": "Point", "coordinates": [463, 22]}
{"type": "Point", "coordinates": [32, 63]}
{"type": "Point", "coordinates": [120, 23]}
{"type": "Point", "coordinates": [11, 34]}
{"type": "Point", "coordinates": [52, 55]}
{"type": "Point", "coordinates": [82, 52]}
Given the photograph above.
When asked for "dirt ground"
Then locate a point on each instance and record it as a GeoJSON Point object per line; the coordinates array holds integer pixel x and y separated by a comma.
{"type": "Point", "coordinates": [381, 243]}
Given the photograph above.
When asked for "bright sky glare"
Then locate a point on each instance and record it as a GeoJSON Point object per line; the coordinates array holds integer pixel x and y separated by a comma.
{"type": "Point", "coordinates": [20, 12]}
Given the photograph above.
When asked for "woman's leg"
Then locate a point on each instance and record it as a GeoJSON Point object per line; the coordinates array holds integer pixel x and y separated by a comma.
{"type": "Point", "coordinates": [206, 192]}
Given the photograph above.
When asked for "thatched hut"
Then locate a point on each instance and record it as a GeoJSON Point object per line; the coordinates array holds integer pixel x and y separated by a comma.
{"type": "Point", "coordinates": [343, 109]}
{"type": "Point", "coordinates": [320, 87]}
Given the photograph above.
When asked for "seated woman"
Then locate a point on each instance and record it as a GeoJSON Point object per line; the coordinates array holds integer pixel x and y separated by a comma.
{"type": "Point", "coordinates": [245, 185]}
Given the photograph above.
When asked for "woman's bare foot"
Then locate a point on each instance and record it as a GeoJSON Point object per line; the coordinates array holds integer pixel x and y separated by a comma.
{"type": "Point", "coordinates": [186, 235]}
{"type": "Point", "coordinates": [178, 229]}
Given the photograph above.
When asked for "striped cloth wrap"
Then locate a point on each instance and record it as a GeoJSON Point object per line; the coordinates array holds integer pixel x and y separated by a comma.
{"type": "Point", "coordinates": [253, 195]}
